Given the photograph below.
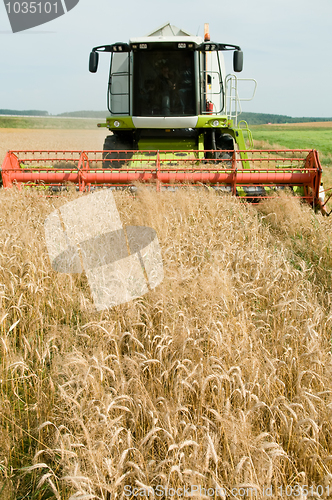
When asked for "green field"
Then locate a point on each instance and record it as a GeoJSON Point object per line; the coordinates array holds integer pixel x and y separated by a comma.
{"type": "Point", "coordinates": [52, 122]}
{"type": "Point", "coordinates": [306, 136]}
{"type": "Point", "coordinates": [299, 136]}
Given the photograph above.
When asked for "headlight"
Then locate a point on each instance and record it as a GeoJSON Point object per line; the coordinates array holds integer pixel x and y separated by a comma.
{"type": "Point", "coordinates": [116, 124]}
{"type": "Point", "coordinates": [215, 123]}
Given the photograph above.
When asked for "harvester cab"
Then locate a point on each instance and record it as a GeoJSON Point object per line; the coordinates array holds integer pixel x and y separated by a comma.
{"type": "Point", "coordinates": [169, 91]}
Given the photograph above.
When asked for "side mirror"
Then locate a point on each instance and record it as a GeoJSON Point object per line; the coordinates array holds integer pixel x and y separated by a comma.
{"type": "Point", "coordinates": [93, 62]}
{"type": "Point", "coordinates": [238, 61]}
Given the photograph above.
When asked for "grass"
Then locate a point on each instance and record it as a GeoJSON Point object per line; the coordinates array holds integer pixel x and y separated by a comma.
{"type": "Point", "coordinates": [48, 122]}
{"type": "Point", "coordinates": [299, 136]}
{"type": "Point", "coordinates": [221, 376]}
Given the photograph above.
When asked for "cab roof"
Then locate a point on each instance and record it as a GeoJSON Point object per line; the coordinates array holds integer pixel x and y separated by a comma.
{"type": "Point", "coordinates": [168, 33]}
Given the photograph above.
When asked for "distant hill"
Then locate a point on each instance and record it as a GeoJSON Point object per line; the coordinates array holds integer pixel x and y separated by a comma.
{"type": "Point", "coordinates": [264, 118]}
{"type": "Point", "coordinates": [72, 114]}
{"type": "Point", "coordinates": [29, 112]}
{"type": "Point", "coordinates": [251, 118]}
{"type": "Point", "coordinates": [84, 114]}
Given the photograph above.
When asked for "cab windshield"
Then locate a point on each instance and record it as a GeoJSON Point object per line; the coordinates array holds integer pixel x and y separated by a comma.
{"type": "Point", "coordinates": [164, 83]}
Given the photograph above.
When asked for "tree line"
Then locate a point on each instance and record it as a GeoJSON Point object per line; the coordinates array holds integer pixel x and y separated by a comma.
{"type": "Point", "coordinates": [265, 118]}
{"type": "Point", "coordinates": [251, 118]}
{"type": "Point", "coordinates": [29, 112]}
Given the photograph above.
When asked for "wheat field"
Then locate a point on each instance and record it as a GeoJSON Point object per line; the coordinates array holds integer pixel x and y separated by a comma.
{"type": "Point", "coordinates": [217, 383]}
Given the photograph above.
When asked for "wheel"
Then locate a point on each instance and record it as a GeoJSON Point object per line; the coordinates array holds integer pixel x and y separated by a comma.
{"type": "Point", "coordinates": [223, 147]}
{"type": "Point", "coordinates": [113, 158]}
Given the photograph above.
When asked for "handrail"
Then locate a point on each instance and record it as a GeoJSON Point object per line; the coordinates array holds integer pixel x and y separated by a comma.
{"type": "Point", "coordinates": [232, 99]}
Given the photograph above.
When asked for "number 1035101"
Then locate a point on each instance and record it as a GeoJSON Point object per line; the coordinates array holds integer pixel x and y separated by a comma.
{"type": "Point", "coordinates": [32, 7]}
{"type": "Point", "coordinates": [300, 490]}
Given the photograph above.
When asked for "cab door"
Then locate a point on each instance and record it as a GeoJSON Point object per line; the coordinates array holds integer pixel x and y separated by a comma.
{"type": "Point", "coordinates": [119, 84]}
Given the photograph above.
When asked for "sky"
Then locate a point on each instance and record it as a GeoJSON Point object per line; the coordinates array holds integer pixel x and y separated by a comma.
{"type": "Point", "coordinates": [286, 45]}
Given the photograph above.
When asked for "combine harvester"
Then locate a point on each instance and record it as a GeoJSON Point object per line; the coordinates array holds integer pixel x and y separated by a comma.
{"type": "Point", "coordinates": [174, 121]}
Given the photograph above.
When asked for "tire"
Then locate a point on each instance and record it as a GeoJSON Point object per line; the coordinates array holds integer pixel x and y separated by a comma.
{"type": "Point", "coordinates": [254, 194]}
{"type": "Point", "coordinates": [224, 146]}
{"type": "Point", "coordinates": [112, 144]}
